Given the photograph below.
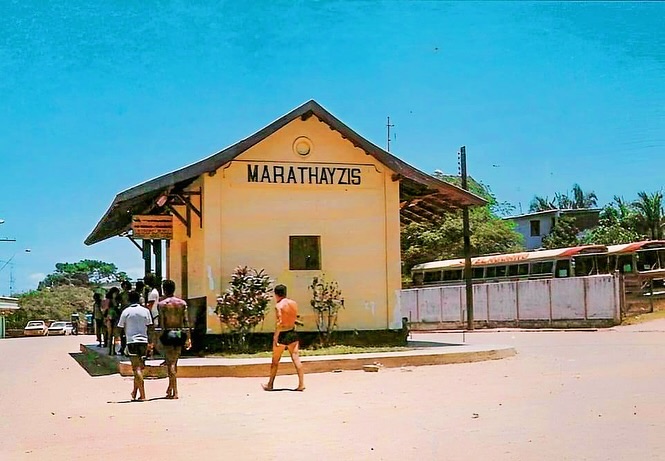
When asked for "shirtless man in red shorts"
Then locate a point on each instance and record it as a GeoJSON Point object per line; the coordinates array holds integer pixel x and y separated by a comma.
{"type": "Point", "coordinates": [285, 337]}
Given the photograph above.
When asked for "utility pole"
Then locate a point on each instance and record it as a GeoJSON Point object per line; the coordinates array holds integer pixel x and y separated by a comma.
{"type": "Point", "coordinates": [12, 280]}
{"type": "Point", "coordinates": [468, 275]}
{"type": "Point", "coordinates": [388, 125]}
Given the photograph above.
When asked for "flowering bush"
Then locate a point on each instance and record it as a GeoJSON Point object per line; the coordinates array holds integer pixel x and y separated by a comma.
{"type": "Point", "coordinates": [244, 304]}
{"type": "Point", "coordinates": [326, 301]}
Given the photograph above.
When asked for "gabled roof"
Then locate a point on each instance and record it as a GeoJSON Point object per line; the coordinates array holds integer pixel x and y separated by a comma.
{"type": "Point", "coordinates": [140, 199]}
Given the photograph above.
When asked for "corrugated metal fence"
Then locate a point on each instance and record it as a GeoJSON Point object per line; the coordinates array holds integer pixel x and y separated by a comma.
{"type": "Point", "coordinates": [595, 298]}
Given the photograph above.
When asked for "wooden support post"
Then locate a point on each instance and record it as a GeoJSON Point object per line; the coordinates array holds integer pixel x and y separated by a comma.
{"type": "Point", "coordinates": [157, 250]}
{"type": "Point", "coordinates": [147, 257]}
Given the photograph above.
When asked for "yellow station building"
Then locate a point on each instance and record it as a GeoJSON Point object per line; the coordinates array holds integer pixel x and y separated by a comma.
{"type": "Point", "coordinates": [302, 197]}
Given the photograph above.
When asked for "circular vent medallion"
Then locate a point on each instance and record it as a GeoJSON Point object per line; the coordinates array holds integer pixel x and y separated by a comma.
{"type": "Point", "coordinates": [302, 146]}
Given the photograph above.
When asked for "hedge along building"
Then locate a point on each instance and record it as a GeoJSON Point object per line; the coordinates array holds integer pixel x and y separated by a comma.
{"type": "Point", "coordinates": [302, 197]}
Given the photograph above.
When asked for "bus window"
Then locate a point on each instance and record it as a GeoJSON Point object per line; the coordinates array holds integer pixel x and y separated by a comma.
{"type": "Point", "coordinates": [542, 268]}
{"type": "Point", "coordinates": [478, 272]}
{"type": "Point", "coordinates": [612, 263]}
{"type": "Point", "coordinates": [417, 278]}
{"type": "Point", "coordinates": [432, 276]}
{"type": "Point", "coordinates": [661, 258]}
{"type": "Point", "coordinates": [501, 271]}
{"type": "Point", "coordinates": [602, 264]}
{"type": "Point", "coordinates": [625, 264]}
{"type": "Point", "coordinates": [491, 272]}
{"type": "Point", "coordinates": [562, 268]}
{"type": "Point", "coordinates": [523, 269]}
{"type": "Point", "coordinates": [647, 260]}
{"type": "Point", "coordinates": [512, 270]}
{"type": "Point", "coordinates": [584, 265]}
{"type": "Point", "coordinates": [450, 275]}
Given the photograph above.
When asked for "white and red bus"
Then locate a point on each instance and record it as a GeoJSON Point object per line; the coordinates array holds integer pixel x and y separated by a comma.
{"type": "Point", "coordinates": [526, 265]}
{"type": "Point", "coordinates": [630, 258]}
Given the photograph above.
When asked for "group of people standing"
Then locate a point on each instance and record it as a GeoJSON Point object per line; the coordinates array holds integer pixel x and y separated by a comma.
{"type": "Point", "coordinates": [125, 320]}
{"type": "Point", "coordinates": [107, 311]}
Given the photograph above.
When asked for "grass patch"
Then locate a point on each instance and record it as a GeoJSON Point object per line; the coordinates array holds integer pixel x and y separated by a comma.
{"type": "Point", "coordinates": [642, 318]}
{"type": "Point", "coordinates": [332, 350]}
{"type": "Point", "coordinates": [91, 363]}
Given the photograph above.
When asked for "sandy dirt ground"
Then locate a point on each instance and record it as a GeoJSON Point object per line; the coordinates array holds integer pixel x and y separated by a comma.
{"type": "Point", "coordinates": [565, 396]}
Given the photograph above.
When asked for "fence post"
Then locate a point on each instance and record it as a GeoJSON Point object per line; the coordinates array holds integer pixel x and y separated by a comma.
{"type": "Point", "coordinates": [487, 300]}
{"type": "Point", "coordinates": [585, 287]}
{"type": "Point", "coordinates": [517, 301]}
{"type": "Point", "coordinates": [549, 297]}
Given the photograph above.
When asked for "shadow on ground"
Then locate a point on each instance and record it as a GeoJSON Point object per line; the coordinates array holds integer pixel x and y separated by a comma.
{"type": "Point", "coordinates": [429, 344]}
{"type": "Point", "coordinates": [91, 363]}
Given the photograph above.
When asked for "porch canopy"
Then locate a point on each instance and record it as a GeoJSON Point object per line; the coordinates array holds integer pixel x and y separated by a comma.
{"type": "Point", "coordinates": [422, 197]}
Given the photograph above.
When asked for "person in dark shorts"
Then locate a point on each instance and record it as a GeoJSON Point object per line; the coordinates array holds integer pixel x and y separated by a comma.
{"type": "Point", "coordinates": [176, 333]}
{"type": "Point", "coordinates": [136, 322]}
{"type": "Point", "coordinates": [285, 337]}
{"type": "Point", "coordinates": [123, 302]}
{"type": "Point", "coordinates": [111, 316]}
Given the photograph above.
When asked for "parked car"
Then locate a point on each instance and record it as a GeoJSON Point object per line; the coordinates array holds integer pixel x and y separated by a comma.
{"type": "Point", "coordinates": [35, 328]}
{"type": "Point", "coordinates": [60, 328]}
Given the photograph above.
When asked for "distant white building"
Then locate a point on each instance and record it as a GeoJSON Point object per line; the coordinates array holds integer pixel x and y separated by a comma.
{"type": "Point", "coordinates": [7, 306]}
{"type": "Point", "coordinates": [535, 226]}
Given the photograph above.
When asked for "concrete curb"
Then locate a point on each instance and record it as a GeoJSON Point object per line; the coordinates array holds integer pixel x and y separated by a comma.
{"type": "Point", "coordinates": [216, 367]}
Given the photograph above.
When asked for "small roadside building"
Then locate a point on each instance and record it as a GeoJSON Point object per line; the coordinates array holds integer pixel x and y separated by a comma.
{"type": "Point", "coordinates": [303, 197]}
{"type": "Point", "coordinates": [7, 306]}
{"type": "Point", "coordinates": [534, 227]}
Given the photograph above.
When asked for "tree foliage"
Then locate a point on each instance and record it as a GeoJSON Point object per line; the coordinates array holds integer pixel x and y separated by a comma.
{"type": "Point", "coordinates": [444, 239]}
{"type": "Point", "coordinates": [576, 199]}
{"type": "Point", "coordinates": [243, 305]}
{"type": "Point", "coordinates": [564, 234]}
{"type": "Point", "coordinates": [650, 214]}
{"type": "Point", "coordinates": [57, 303]}
{"type": "Point", "coordinates": [617, 224]}
{"type": "Point", "coordinates": [326, 301]}
{"type": "Point", "coordinates": [85, 273]}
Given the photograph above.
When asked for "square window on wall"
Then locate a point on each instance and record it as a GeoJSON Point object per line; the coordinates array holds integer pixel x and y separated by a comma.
{"type": "Point", "coordinates": [535, 228]}
{"type": "Point", "coordinates": [304, 252]}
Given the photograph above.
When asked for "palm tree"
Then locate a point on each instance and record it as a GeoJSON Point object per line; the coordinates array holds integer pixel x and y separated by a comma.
{"type": "Point", "coordinates": [563, 202]}
{"type": "Point", "coordinates": [650, 213]}
{"type": "Point", "coordinates": [541, 204]}
{"type": "Point", "coordinates": [581, 199]}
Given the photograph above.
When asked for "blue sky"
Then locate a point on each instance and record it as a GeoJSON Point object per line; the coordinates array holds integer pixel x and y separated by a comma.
{"type": "Point", "coordinates": [96, 97]}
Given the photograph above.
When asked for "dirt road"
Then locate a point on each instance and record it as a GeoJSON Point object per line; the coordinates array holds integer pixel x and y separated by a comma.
{"type": "Point", "coordinates": [565, 396]}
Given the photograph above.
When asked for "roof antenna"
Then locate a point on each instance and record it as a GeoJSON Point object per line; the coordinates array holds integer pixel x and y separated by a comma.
{"type": "Point", "coordinates": [388, 125]}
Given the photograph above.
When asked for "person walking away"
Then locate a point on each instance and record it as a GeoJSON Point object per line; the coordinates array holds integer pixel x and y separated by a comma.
{"type": "Point", "coordinates": [98, 317]}
{"type": "Point", "coordinates": [285, 337]}
{"type": "Point", "coordinates": [151, 303]}
{"type": "Point", "coordinates": [123, 302]}
{"type": "Point", "coordinates": [136, 322]}
{"type": "Point", "coordinates": [176, 333]}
